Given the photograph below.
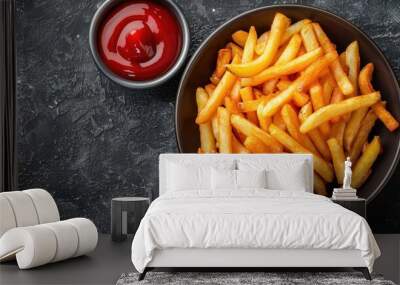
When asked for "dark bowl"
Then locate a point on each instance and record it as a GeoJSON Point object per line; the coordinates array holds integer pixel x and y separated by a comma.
{"type": "Point", "coordinates": [341, 32]}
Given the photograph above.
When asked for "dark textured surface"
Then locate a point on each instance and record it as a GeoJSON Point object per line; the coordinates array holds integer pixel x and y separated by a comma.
{"type": "Point", "coordinates": [86, 139]}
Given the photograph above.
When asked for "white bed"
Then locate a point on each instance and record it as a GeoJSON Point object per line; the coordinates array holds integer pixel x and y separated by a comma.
{"type": "Point", "coordinates": [249, 227]}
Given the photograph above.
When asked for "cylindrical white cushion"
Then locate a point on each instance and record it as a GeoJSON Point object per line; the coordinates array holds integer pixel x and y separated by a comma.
{"type": "Point", "coordinates": [67, 240]}
{"type": "Point", "coordinates": [45, 205]}
{"type": "Point", "coordinates": [87, 234]}
{"type": "Point", "coordinates": [33, 246]}
{"type": "Point", "coordinates": [7, 218]}
{"type": "Point", "coordinates": [23, 208]}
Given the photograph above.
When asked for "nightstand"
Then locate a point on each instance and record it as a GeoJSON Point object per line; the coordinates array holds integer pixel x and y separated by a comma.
{"type": "Point", "coordinates": [357, 205]}
{"type": "Point", "coordinates": [126, 214]}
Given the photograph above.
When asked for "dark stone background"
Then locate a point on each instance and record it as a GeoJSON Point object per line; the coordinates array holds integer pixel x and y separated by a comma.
{"type": "Point", "coordinates": [86, 139]}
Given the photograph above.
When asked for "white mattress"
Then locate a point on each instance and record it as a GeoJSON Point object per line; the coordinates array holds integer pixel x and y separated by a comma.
{"type": "Point", "coordinates": [257, 218]}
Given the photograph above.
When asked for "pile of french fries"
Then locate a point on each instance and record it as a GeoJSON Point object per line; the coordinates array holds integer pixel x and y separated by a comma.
{"type": "Point", "coordinates": [289, 90]}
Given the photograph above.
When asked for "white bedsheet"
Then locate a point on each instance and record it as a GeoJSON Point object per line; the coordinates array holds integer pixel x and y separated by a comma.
{"type": "Point", "coordinates": [250, 219]}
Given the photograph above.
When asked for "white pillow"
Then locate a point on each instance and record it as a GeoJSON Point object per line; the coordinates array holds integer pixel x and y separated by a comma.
{"type": "Point", "coordinates": [293, 180]}
{"type": "Point", "coordinates": [223, 179]}
{"type": "Point", "coordinates": [281, 174]}
{"type": "Point", "coordinates": [183, 178]}
{"type": "Point", "coordinates": [251, 178]}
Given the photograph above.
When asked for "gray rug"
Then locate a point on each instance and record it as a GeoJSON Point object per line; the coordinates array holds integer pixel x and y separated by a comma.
{"type": "Point", "coordinates": [243, 278]}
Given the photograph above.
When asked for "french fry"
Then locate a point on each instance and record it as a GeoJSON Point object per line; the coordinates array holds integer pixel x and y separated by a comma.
{"type": "Point", "coordinates": [292, 123]}
{"type": "Point", "coordinates": [317, 100]}
{"type": "Point", "coordinates": [231, 106]}
{"type": "Point", "coordinates": [214, 79]}
{"type": "Point", "coordinates": [252, 105]}
{"type": "Point", "coordinates": [352, 127]}
{"type": "Point", "coordinates": [215, 128]}
{"type": "Point", "coordinates": [254, 145]}
{"type": "Point", "coordinates": [342, 59]}
{"type": "Point", "coordinates": [246, 94]}
{"type": "Point", "coordinates": [337, 131]}
{"type": "Point", "coordinates": [305, 112]}
{"type": "Point", "coordinates": [319, 185]}
{"type": "Point", "coordinates": [207, 141]}
{"type": "Point", "coordinates": [237, 147]}
{"type": "Point", "coordinates": [278, 121]}
{"type": "Point", "coordinates": [248, 50]}
{"type": "Point", "coordinates": [309, 75]}
{"type": "Point", "coordinates": [336, 97]}
{"type": "Point", "coordinates": [365, 177]}
{"type": "Point", "coordinates": [249, 129]}
{"type": "Point", "coordinates": [346, 106]}
{"type": "Point", "coordinates": [240, 37]}
{"type": "Point", "coordinates": [340, 76]}
{"type": "Point", "coordinates": [315, 135]}
{"type": "Point", "coordinates": [224, 58]}
{"type": "Point", "coordinates": [214, 120]}
{"type": "Point", "coordinates": [290, 31]}
{"type": "Point", "coordinates": [299, 98]}
{"type": "Point", "coordinates": [384, 115]}
{"type": "Point", "coordinates": [221, 90]}
{"type": "Point", "coordinates": [269, 86]}
{"type": "Point", "coordinates": [353, 63]}
{"type": "Point", "coordinates": [237, 51]}
{"type": "Point", "coordinates": [235, 91]}
{"type": "Point", "coordinates": [338, 158]}
{"type": "Point", "coordinates": [362, 136]}
{"type": "Point", "coordinates": [290, 51]}
{"type": "Point", "coordinates": [225, 130]}
{"type": "Point", "coordinates": [290, 67]}
{"type": "Point", "coordinates": [364, 79]}
{"type": "Point", "coordinates": [365, 162]}
{"type": "Point", "coordinates": [320, 143]}
{"type": "Point", "coordinates": [263, 121]}
{"type": "Point", "coordinates": [320, 165]}
{"type": "Point", "coordinates": [209, 89]}
{"type": "Point", "coordinates": [310, 41]}
{"type": "Point", "coordinates": [328, 85]}
{"type": "Point", "coordinates": [294, 29]}
{"type": "Point", "coordinates": [283, 84]}
{"type": "Point", "coordinates": [279, 25]}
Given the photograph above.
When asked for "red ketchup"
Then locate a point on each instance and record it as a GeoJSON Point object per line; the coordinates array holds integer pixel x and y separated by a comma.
{"type": "Point", "coordinates": [139, 40]}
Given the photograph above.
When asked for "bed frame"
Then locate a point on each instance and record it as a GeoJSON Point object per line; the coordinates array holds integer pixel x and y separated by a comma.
{"type": "Point", "coordinates": [246, 258]}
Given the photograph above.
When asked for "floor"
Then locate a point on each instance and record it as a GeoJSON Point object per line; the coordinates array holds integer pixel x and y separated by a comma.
{"type": "Point", "coordinates": [111, 259]}
{"type": "Point", "coordinates": [95, 268]}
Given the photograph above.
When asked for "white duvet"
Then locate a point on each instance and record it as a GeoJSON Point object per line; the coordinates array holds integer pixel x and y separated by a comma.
{"type": "Point", "coordinates": [250, 219]}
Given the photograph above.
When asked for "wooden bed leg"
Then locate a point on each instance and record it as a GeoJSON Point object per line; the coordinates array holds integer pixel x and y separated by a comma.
{"type": "Point", "coordinates": [364, 271]}
{"type": "Point", "coordinates": [143, 274]}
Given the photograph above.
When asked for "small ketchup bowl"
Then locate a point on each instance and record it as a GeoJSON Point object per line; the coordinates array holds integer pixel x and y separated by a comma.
{"type": "Point", "coordinates": [139, 43]}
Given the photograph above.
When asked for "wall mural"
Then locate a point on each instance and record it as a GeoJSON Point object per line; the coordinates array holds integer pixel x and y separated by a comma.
{"type": "Point", "coordinates": [87, 139]}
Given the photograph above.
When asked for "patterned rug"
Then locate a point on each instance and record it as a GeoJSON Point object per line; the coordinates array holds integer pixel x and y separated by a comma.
{"type": "Point", "coordinates": [243, 278]}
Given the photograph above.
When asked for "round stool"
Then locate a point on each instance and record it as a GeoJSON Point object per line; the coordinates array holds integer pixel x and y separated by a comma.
{"type": "Point", "coordinates": [126, 214]}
